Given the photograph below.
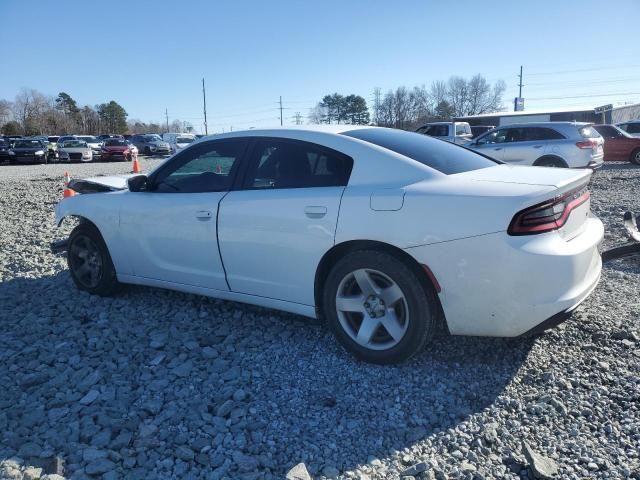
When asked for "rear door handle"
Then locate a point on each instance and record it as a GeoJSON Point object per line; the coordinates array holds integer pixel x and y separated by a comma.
{"type": "Point", "coordinates": [499, 148]}
{"type": "Point", "coordinates": [537, 146]}
{"type": "Point", "coordinates": [315, 211]}
{"type": "Point", "coordinates": [203, 215]}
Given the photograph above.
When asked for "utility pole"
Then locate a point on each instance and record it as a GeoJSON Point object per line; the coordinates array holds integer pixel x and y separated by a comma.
{"type": "Point", "coordinates": [520, 84]}
{"type": "Point", "coordinates": [298, 118]}
{"type": "Point", "coordinates": [204, 103]}
{"type": "Point", "coordinates": [166, 116]}
{"type": "Point", "coordinates": [280, 110]}
{"type": "Point", "coordinates": [376, 105]}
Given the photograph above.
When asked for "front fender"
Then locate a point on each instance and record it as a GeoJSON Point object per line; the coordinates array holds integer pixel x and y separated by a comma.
{"type": "Point", "coordinates": [102, 210]}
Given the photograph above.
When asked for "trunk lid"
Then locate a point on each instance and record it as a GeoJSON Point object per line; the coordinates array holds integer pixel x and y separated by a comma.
{"type": "Point", "coordinates": [563, 180]}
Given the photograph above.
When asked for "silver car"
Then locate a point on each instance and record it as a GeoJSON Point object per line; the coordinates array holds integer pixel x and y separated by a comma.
{"type": "Point", "coordinates": [545, 144]}
{"type": "Point", "coordinates": [151, 144]}
{"type": "Point", "coordinates": [454, 132]}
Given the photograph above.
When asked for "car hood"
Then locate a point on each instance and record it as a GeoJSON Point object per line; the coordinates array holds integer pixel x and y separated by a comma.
{"type": "Point", "coordinates": [94, 144]}
{"type": "Point", "coordinates": [113, 148]}
{"type": "Point", "coordinates": [543, 176]}
{"type": "Point", "coordinates": [106, 183]}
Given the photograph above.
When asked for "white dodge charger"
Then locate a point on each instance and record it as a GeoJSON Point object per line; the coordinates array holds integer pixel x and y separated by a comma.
{"type": "Point", "coordinates": [386, 234]}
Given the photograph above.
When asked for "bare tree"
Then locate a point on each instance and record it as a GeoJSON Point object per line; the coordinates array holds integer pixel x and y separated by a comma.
{"type": "Point", "coordinates": [317, 114]}
{"type": "Point", "coordinates": [5, 111]}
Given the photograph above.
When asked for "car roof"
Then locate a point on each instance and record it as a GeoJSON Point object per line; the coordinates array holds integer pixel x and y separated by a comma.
{"type": "Point", "coordinates": [544, 124]}
{"type": "Point", "coordinates": [285, 131]}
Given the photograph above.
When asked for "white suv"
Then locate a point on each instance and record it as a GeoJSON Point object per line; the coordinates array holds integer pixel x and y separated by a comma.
{"type": "Point", "coordinates": [544, 144]}
{"type": "Point", "coordinates": [454, 132]}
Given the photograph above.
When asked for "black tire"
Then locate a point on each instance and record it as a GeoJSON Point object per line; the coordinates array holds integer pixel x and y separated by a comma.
{"type": "Point", "coordinates": [421, 317]}
{"type": "Point", "coordinates": [635, 156]}
{"type": "Point", "coordinates": [147, 151]}
{"type": "Point", "coordinates": [86, 237]}
{"type": "Point", "coordinates": [12, 162]}
{"type": "Point", "coordinates": [550, 162]}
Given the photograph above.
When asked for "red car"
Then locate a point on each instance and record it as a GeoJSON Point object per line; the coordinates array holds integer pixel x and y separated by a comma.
{"type": "Point", "coordinates": [618, 144]}
{"type": "Point", "coordinates": [118, 149]}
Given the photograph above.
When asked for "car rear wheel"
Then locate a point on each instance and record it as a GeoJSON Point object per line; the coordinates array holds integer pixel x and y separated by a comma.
{"type": "Point", "coordinates": [378, 308]}
{"type": "Point", "coordinates": [147, 151]}
{"type": "Point", "coordinates": [550, 162]}
{"type": "Point", "coordinates": [635, 156]}
{"type": "Point", "coordinates": [89, 261]}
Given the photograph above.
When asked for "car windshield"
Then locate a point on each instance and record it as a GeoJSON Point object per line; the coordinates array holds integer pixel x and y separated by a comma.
{"type": "Point", "coordinates": [27, 144]}
{"type": "Point", "coordinates": [184, 140]}
{"type": "Point", "coordinates": [74, 144]}
{"type": "Point", "coordinates": [116, 143]}
{"type": "Point", "coordinates": [53, 139]}
{"type": "Point", "coordinates": [151, 138]}
{"type": "Point", "coordinates": [442, 156]}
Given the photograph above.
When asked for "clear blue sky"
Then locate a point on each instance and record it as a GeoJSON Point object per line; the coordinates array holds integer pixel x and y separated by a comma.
{"type": "Point", "coordinates": [149, 56]}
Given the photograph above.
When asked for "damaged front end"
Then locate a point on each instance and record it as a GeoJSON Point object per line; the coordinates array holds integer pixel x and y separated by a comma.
{"type": "Point", "coordinates": [631, 248]}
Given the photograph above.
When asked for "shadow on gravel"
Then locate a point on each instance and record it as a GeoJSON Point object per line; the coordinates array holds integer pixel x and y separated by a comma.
{"type": "Point", "coordinates": [163, 383]}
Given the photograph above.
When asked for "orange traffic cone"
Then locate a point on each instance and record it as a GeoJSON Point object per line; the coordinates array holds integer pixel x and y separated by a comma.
{"type": "Point", "coordinates": [67, 192]}
{"type": "Point", "coordinates": [136, 165]}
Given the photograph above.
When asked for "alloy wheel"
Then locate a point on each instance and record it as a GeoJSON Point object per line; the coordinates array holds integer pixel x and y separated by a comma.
{"type": "Point", "coordinates": [372, 309]}
{"type": "Point", "coordinates": [86, 261]}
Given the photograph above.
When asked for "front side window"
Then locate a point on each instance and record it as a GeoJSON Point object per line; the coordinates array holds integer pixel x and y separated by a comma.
{"type": "Point", "coordinates": [633, 128]}
{"type": "Point", "coordinates": [295, 164]}
{"type": "Point", "coordinates": [463, 129]}
{"type": "Point", "coordinates": [209, 168]}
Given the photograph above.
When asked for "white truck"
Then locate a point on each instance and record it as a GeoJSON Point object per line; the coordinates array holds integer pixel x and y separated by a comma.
{"type": "Point", "coordinates": [454, 132]}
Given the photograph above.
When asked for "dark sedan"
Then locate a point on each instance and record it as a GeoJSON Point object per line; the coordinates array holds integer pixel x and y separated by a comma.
{"type": "Point", "coordinates": [28, 151]}
{"type": "Point", "coordinates": [4, 150]}
{"type": "Point", "coordinates": [619, 145]}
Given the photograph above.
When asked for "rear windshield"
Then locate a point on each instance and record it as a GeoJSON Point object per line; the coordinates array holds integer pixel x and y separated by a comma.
{"type": "Point", "coordinates": [437, 154]}
{"type": "Point", "coordinates": [589, 132]}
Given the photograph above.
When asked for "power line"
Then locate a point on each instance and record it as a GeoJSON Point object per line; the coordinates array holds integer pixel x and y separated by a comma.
{"type": "Point", "coordinates": [615, 94]}
{"type": "Point", "coordinates": [204, 107]}
{"type": "Point", "coordinates": [281, 110]}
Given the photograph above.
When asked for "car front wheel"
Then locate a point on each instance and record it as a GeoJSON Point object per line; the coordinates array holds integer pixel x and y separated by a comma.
{"type": "Point", "coordinates": [635, 156]}
{"type": "Point", "coordinates": [378, 308]}
{"type": "Point", "coordinates": [89, 261]}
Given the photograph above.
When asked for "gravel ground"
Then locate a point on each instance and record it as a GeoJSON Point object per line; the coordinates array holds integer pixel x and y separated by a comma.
{"type": "Point", "coordinates": [157, 384]}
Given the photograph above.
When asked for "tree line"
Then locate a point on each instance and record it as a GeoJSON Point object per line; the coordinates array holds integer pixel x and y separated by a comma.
{"type": "Point", "coordinates": [34, 113]}
{"type": "Point", "coordinates": [407, 108]}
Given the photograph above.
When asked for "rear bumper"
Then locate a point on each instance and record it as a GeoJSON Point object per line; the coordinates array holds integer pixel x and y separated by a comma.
{"type": "Point", "coordinates": [503, 286]}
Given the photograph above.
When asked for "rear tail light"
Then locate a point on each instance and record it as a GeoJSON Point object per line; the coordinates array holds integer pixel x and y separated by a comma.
{"type": "Point", "coordinates": [549, 215]}
{"type": "Point", "coordinates": [587, 144]}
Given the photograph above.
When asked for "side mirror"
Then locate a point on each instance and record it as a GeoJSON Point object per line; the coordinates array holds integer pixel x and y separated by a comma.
{"type": "Point", "coordinates": [139, 183]}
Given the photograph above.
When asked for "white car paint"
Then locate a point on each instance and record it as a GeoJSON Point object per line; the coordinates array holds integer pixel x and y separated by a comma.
{"type": "Point", "coordinates": [270, 241]}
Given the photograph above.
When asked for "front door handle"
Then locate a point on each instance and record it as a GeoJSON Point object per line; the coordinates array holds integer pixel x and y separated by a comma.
{"type": "Point", "coordinates": [537, 146]}
{"type": "Point", "coordinates": [499, 148]}
{"type": "Point", "coordinates": [315, 211]}
{"type": "Point", "coordinates": [203, 215]}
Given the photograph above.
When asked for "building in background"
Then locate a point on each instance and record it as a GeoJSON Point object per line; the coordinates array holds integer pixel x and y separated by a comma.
{"type": "Point", "coordinates": [601, 114]}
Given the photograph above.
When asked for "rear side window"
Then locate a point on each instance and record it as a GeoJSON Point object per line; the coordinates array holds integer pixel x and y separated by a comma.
{"type": "Point", "coordinates": [588, 132]}
{"type": "Point", "coordinates": [279, 163]}
{"type": "Point", "coordinates": [607, 131]}
{"type": "Point", "coordinates": [445, 157]}
{"type": "Point", "coordinates": [541, 133]}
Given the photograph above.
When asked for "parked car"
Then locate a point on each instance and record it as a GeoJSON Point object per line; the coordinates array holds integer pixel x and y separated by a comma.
{"type": "Point", "coordinates": [116, 149]}
{"type": "Point", "coordinates": [52, 146]}
{"type": "Point", "coordinates": [93, 142]}
{"type": "Point", "coordinates": [74, 150]}
{"type": "Point", "coordinates": [178, 141]}
{"type": "Point", "coordinates": [544, 144]}
{"type": "Point", "coordinates": [108, 135]}
{"type": "Point", "coordinates": [62, 138]}
{"type": "Point", "coordinates": [150, 144]}
{"type": "Point", "coordinates": [28, 150]}
{"type": "Point", "coordinates": [477, 130]}
{"type": "Point", "coordinates": [618, 144]}
{"type": "Point", "coordinates": [4, 150]}
{"type": "Point", "coordinates": [632, 127]}
{"type": "Point", "coordinates": [454, 132]}
{"type": "Point", "coordinates": [385, 234]}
